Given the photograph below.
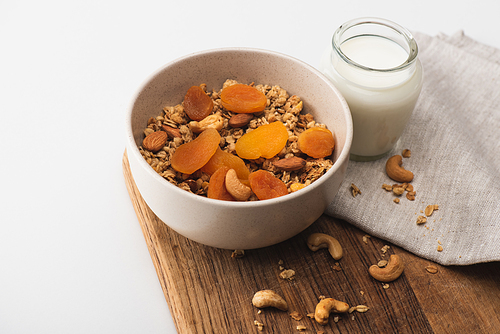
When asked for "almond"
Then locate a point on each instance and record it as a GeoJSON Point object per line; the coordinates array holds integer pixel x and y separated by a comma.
{"type": "Point", "coordinates": [155, 141]}
{"type": "Point", "coordinates": [239, 120]}
{"type": "Point", "coordinates": [172, 132]}
{"type": "Point", "coordinates": [290, 164]}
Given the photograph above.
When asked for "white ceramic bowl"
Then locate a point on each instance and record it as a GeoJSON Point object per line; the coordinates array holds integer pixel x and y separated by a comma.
{"type": "Point", "coordinates": [238, 225]}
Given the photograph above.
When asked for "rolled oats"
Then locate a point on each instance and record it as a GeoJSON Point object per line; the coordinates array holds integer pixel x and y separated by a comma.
{"type": "Point", "coordinates": [355, 190]}
{"type": "Point", "coordinates": [431, 269]}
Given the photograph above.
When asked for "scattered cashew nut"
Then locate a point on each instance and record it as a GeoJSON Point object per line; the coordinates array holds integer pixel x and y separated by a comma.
{"type": "Point", "coordinates": [320, 240]}
{"type": "Point", "coordinates": [326, 306]}
{"type": "Point", "coordinates": [390, 272]}
{"type": "Point", "coordinates": [215, 121]}
{"type": "Point", "coordinates": [395, 171]}
{"type": "Point", "coordinates": [234, 186]}
{"type": "Point", "coordinates": [269, 298]}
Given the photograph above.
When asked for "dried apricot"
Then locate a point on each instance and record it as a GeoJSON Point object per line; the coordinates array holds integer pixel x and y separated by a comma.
{"type": "Point", "coordinates": [316, 142]}
{"type": "Point", "coordinates": [217, 185]}
{"type": "Point", "coordinates": [265, 185]}
{"type": "Point", "coordinates": [223, 158]}
{"type": "Point", "coordinates": [197, 104]}
{"type": "Point", "coordinates": [265, 141]}
{"type": "Point", "coordinates": [243, 99]}
{"type": "Point", "coordinates": [190, 157]}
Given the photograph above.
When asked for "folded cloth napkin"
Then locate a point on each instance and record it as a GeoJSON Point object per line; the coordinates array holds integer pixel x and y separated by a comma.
{"type": "Point", "coordinates": [454, 139]}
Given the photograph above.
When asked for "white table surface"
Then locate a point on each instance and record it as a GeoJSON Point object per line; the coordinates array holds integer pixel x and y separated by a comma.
{"type": "Point", "coordinates": [72, 255]}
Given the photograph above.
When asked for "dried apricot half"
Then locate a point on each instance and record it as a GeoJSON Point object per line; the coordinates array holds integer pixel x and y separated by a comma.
{"type": "Point", "coordinates": [197, 104]}
{"type": "Point", "coordinates": [222, 158]}
{"type": "Point", "coordinates": [265, 141]}
{"type": "Point", "coordinates": [316, 142]}
{"type": "Point", "coordinates": [217, 185]}
{"type": "Point", "coordinates": [243, 99]}
{"type": "Point", "coordinates": [265, 185]}
{"type": "Point", "coordinates": [191, 156]}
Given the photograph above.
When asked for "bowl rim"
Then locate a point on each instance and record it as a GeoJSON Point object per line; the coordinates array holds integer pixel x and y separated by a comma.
{"type": "Point", "coordinates": [344, 155]}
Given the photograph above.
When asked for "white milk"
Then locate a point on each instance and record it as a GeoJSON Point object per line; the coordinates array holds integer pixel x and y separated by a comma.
{"type": "Point", "coordinates": [381, 98]}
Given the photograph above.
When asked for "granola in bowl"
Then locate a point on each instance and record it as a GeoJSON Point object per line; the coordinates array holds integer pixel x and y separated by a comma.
{"type": "Point", "coordinates": [279, 107]}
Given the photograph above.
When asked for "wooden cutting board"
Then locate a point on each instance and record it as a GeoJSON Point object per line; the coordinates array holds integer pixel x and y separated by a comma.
{"type": "Point", "coordinates": [208, 291]}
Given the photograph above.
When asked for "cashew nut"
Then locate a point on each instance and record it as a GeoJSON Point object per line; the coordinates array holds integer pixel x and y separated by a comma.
{"type": "Point", "coordinates": [234, 186]}
{"type": "Point", "coordinates": [390, 272]}
{"type": "Point", "coordinates": [320, 240]}
{"type": "Point", "coordinates": [326, 306]}
{"type": "Point", "coordinates": [269, 298]}
{"type": "Point", "coordinates": [212, 121]}
{"type": "Point", "coordinates": [395, 171]}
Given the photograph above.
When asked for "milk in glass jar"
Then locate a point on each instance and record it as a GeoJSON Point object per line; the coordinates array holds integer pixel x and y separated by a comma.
{"type": "Point", "coordinates": [374, 64]}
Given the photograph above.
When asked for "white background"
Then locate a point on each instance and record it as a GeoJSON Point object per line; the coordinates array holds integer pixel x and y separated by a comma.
{"type": "Point", "coordinates": [72, 255]}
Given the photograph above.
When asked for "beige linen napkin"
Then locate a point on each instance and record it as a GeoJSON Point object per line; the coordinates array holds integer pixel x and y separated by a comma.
{"type": "Point", "coordinates": [454, 138]}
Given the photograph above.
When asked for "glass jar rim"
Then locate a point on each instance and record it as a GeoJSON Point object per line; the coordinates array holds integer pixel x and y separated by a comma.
{"type": "Point", "coordinates": [405, 33]}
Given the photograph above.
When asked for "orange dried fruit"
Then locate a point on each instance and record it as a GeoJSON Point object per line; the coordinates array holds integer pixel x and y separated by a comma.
{"type": "Point", "coordinates": [265, 185]}
{"type": "Point", "coordinates": [316, 142]}
{"type": "Point", "coordinates": [190, 157]}
{"type": "Point", "coordinates": [217, 185]}
{"type": "Point", "coordinates": [243, 99]}
{"type": "Point", "coordinates": [197, 104]}
{"type": "Point", "coordinates": [265, 141]}
{"type": "Point", "coordinates": [222, 158]}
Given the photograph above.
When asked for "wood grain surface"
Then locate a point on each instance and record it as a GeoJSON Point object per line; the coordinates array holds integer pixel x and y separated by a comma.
{"type": "Point", "coordinates": [208, 291]}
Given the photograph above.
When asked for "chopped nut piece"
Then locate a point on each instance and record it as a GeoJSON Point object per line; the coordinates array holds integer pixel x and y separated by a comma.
{"type": "Point", "coordinates": [352, 309]}
{"type": "Point", "coordinates": [406, 153]}
{"type": "Point", "coordinates": [296, 315]}
{"type": "Point", "coordinates": [335, 319]}
{"type": "Point", "coordinates": [429, 210]}
{"type": "Point", "coordinates": [288, 274]}
{"type": "Point", "coordinates": [336, 267]}
{"type": "Point", "coordinates": [396, 200]}
{"type": "Point", "coordinates": [259, 325]}
{"type": "Point", "coordinates": [382, 263]}
{"type": "Point", "coordinates": [421, 220]}
{"type": "Point", "coordinates": [310, 315]}
{"type": "Point", "coordinates": [431, 269]}
{"type": "Point", "coordinates": [301, 328]}
{"type": "Point", "coordinates": [385, 249]}
{"type": "Point", "coordinates": [387, 187]}
{"type": "Point", "coordinates": [409, 187]}
{"type": "Point", "coordinates": [362, 293]}
{"type": "Point", "coordinates": [385, 286]}
{"type": "Point", "coordinates": [398, 191]}
{"type": "Point", "coordinates": [411, 195]}
{"type": "Point", "coordinates": [440, 248]}
{"type": "Point", "coordinates": [365, 238]}
{"type": "Point", "coordinates": [355, 190]}
{"type": "Point", "coordinates": [238, 253]}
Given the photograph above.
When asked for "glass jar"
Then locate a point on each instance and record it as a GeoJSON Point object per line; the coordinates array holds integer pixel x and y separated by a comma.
{"type": "Point", "coordinates": [373, 62]}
